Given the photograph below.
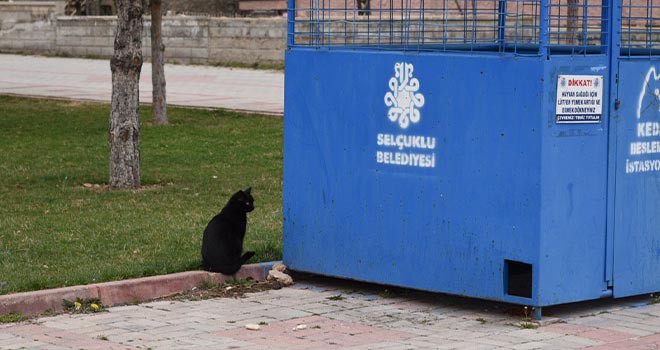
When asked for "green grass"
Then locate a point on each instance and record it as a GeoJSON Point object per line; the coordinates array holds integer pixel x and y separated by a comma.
{"type": "Point", "coordinates": [54, 232]}
{"type": "Point", "coordinates": [528, 325]}
{"type": "Point", "coordinates": [12, 318]}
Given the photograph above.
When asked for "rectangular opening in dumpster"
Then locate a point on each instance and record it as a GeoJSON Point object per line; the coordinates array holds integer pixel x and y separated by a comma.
{"type": "Point", "coordinates": [518, 278]}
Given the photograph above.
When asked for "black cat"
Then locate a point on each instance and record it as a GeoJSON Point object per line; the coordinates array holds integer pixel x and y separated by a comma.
{"type": "Point", "coordinates": [222, 244]}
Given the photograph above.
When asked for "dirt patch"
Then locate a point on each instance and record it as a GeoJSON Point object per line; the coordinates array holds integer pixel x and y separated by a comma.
{"type": "Point", "coordinates": [208, 290]}
{"type": "Point", "coordinates": [235, 289]}
{"type": "Point", "coordinates": [105, 187]}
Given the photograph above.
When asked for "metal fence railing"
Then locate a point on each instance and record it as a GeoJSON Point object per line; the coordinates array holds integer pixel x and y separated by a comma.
{"type": "Point", "coordinates": [572, 26]}
{"type": "Point", "coordinates": [640, 28]}
{"type": "Point", "coordinates": [577, 26]}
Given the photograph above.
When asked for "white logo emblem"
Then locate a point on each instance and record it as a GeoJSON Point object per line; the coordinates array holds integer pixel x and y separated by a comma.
{"type": "Point", "coordinates": [651, 91]}
{"type": "Point", "coordinates": [403, 98]}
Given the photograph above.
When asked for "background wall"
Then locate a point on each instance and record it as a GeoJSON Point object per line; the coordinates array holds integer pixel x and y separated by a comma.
{"type": "Point", "coordinates": [34, 28]}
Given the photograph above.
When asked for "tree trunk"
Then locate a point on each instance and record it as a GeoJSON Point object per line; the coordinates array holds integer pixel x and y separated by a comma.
{"type": "Point", "coordinates": [126, 64]}
{"type": "Point", "coordinates": [158, 64]}
{"type": "Point", "coordinates": [572, 25]}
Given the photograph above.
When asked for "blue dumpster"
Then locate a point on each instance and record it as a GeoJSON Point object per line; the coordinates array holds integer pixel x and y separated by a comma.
{"type": "Point", "coordinates": [497, 149]}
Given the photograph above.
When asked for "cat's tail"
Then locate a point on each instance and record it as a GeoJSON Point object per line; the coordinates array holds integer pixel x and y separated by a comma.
{"type": "Point", "coordinates": [229, 269]}
{"type": "Point", "coordinates": [247, 256]}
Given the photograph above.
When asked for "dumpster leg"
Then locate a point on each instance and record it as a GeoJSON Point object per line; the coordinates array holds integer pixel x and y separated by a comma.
{"type": "Point", "coordinates": [537, 312]}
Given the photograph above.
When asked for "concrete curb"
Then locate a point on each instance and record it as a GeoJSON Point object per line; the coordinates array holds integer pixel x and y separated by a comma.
{"type": "Point", "coordinates": [122, 292]}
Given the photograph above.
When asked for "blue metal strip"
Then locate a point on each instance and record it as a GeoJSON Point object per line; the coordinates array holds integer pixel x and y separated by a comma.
{"type": "Point", "coordinates": [545, 27]}
{"type": "Point", "coordinates": [290, 23]}
{"type": "Point", "coordinates": [501, 23]}
{"type": "Point", "coordinates": [614, 49]}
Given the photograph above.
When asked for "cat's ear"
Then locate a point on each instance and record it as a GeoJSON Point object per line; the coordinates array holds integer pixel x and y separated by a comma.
{"type": "Point", "coordinates": [248, 190]}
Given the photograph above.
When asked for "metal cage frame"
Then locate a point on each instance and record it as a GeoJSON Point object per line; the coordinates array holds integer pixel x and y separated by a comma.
{"type": "Point", "coordinates": [523, 27]}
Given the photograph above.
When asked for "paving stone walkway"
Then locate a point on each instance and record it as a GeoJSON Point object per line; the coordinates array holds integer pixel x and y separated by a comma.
{"type": "Point", "coordinates": [196, 86]}
{"type": "Point", "coordinates": [344, 315]}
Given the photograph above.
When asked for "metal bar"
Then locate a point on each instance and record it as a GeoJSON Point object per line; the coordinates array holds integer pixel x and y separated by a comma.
{"type": "Point", "coordinates": [614, 50]}
{"type": "Point", "coordinates": [290, 23]}
{"type": "Point", "coordinates": [585, 23]}
{"type": "Point", "coordinates": [543, 29]}
{"type": "Point", "coordinates": [605, 36]}
{"type": "Point", "coordinates": [629, 34]}
{"type": "Point", "coordinates": [346, 20]}
{"type": "Point", "coordinates": [473, 38]}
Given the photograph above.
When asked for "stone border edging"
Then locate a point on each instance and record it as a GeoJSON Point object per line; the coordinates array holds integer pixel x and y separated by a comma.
{"type": "Point", "coordinates": [121, 292]}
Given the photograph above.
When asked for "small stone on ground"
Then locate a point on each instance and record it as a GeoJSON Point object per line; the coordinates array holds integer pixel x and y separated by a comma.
{"type": "Point", "coordinates": [281, 277]}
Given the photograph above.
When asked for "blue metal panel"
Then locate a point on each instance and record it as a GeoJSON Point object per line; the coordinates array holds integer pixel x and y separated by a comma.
{"type": "Point", "coordinates": [447, 226]}
{"type": "Point", "coordinates": [637, 203]}
{"type": "Point", "coordinates": [574, 193]}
